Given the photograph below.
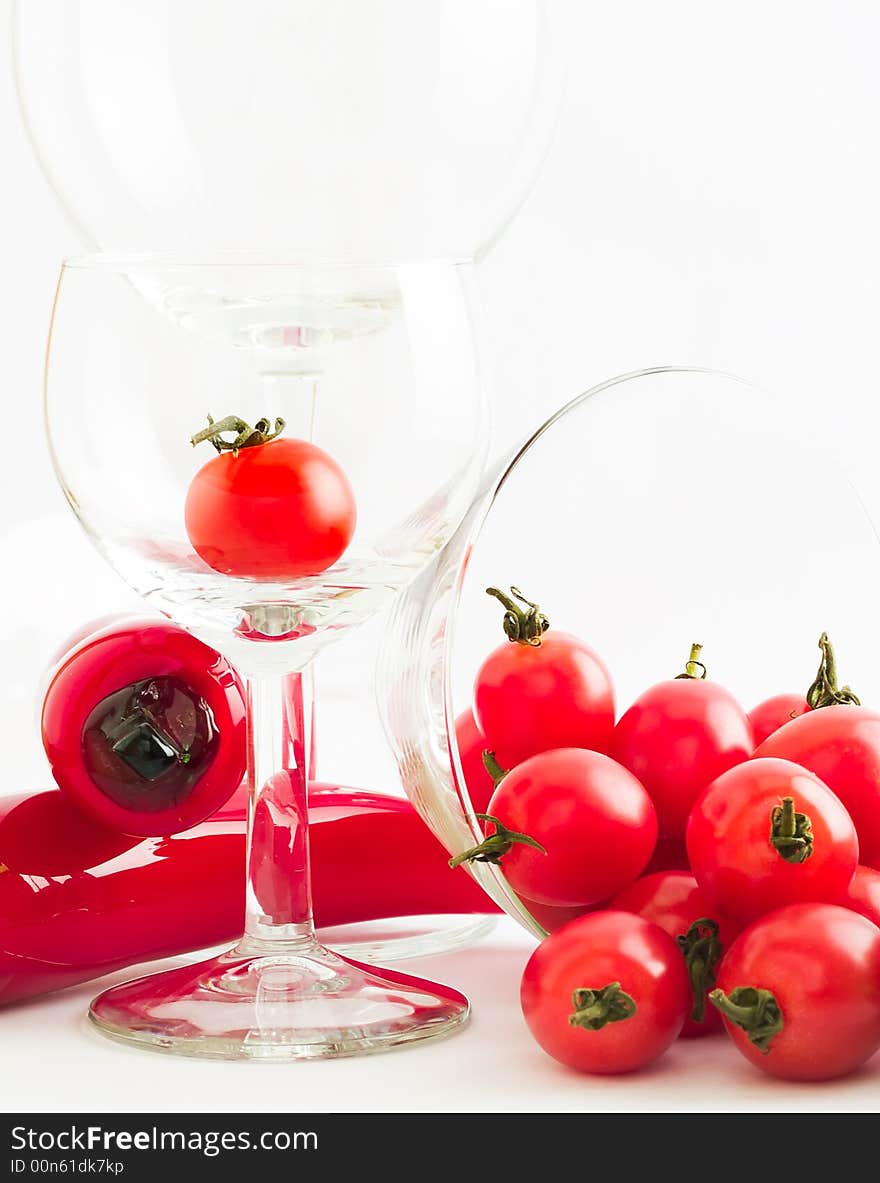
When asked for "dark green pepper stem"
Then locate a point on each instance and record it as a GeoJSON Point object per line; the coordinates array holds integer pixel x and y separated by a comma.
{"type": "Point", "coordinates": [702, 951]}
{"type": "Point", "coordinates": [824, 691]}
{"type": "Point", "coordinates": [791, 833]}
{"type": "Point", "coordinates": [693, 667]}
{"type": "Point", "coordinates": [494, 768]}
{"type": "Point", "coordinates": [756, 1011]}
{"type": "Point", "coordinates": [496, 846]}
{"type": "Point", "coordinates": [593, 1009]}
{"type": "Point", "coordinates": [245, 435]}
{"type": "Point", "coordinates": [524, 622]}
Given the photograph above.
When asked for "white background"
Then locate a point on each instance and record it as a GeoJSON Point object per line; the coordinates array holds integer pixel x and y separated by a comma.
{"type": "Point", "coordinates": [711, 198]}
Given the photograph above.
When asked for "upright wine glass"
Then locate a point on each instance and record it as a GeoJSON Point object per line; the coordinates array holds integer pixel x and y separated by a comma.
{"type": "Point", "coordinates": [375, 365]}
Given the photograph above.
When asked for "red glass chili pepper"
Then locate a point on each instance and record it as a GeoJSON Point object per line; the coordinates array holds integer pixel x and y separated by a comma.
{"type": "Point", "coordinates": [79, 900]}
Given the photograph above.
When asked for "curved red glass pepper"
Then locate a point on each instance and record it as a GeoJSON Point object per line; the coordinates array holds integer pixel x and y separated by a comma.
{"type": "Point", "coordinates": [79, 900]}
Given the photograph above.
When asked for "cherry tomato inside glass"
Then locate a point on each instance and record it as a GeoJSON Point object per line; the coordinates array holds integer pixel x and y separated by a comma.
{"type": "Point", "coordinates": [278, 510]}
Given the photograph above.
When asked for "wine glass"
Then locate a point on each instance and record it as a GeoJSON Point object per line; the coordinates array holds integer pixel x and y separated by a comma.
{"type": "Point", "coordinates": [376, 129]}
{"type": "Point", "coordinates": [659, 509]}
{"type": "Point", "coordinates": [371, 366]}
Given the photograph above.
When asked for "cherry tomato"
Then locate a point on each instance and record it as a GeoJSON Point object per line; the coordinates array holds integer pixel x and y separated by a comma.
{"type": "Point", "coordinates": [144, 728]}
{"type": "Point", "coordinates": [670, 854]}
{"type": "Point", "coordinates": [841, 745]}
{"type": "Point", "coordinates": [863, 894]}
{"type": "Point", "coordinates": [593, 819]}
{"type": "Point", "coordinates": [679, 736]}
{"type": "Point", "coordinates": [276, 509]}
{"type": "Point", "coordinates": [606, 993]}
{"type": "Point", "coordinates": [674, 900]}
{"type": "Point", "coordinates": [471, 745]}
{"type": "Point", "coordinates": [771, 714]}
{"type": "Point", "coordinates": [768, 833]}
{"type": "Point", "coordinates": [800, 992]}
{"type": "Point", "coordinates": [538, 692]}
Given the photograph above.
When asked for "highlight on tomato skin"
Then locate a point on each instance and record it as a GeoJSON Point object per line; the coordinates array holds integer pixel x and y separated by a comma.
{"type": "Point", "coordinates": [268, 507]}
{"type": "Point", "coordinates": [144, 728]}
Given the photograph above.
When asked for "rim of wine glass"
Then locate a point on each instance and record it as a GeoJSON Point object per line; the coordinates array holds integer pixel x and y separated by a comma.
{"type": "Point", "coordinates": [467, 538]}
{"type": "Point", "coordinates": [284, 257]}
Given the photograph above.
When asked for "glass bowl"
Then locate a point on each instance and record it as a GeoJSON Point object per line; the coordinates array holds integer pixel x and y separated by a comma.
{"type": "Point", "coordinates": [659, 509]}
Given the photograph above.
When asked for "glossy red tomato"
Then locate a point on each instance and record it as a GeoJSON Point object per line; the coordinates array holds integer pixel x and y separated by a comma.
{"type": "Point", "coordinates": [841, 745]}
{"type": "Point", "coordinates": [606, 993]}
{"type": "Point", "coordinates": [800, 992]}
{"type": "Point", "coordinates": [541, 690]}
{"type": "Point", "coordinates": [863, 894]}
{"type": "Point", "coordinates": [471, 745]}
{"type": "Point", "coordinates": [276, 510]}
{"type": "Point", "coordinates": [144, 728]}
{"type": "Point", "coordinates": [771, 714]}
{"type": "Point", "coordinates": [593, 819]}
{"type": "Point", "coordinates": [768, 833]}
{"type": "Point", "coordinates": [676, 738]}
{"type": "Point", "coordinates": [675, 901]}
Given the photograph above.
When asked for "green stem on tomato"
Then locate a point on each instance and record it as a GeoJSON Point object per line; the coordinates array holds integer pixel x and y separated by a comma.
{"type": "Point", "coordinates": [791, 833]}
{"type": "Point", "coordinates": [496, 846]}
{"type": "Point", "coordinates": [755, 1011]}
{"type": "Point", "coordinates": [824, 691]}
{"type": "Point", "coordinates": [524, 622]}
{"type": "Point", "coordinates": [593, 1009]}
{"type": "Point", "coordinates": [702, 951]}
{"type": "Point", "coordinates": [693, 667]}
{"type": "Point", "coordinates": [494, 768]}
{"type": "Point", "coordinates": [245, 435]}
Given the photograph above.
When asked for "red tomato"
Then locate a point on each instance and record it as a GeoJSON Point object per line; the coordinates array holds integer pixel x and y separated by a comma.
{"type": "Point", "coordinates": [471, 745]}
{"type": "Point", "coordinates": [841, 745]}
{"type": "Point", "coordinates": [551, 918]}
{"type": "Point", "coordinates": [144, 728]}
{"type": "Point", "coordinates": [676, 738]}
{"type": "Point", "coordinates": [752, 852]}
{"type": "Point", "coordinates": [864, 893]}
{"type": "Point", "coordinates": [276, 510]}
{"type": "Point", "coordinates": [775, 712]}
{"type": "Point", "coordinates": [541, 691]}
{"type": "Point", "coordinates": [674, 900]}
{"type": "Point", "coordinates": [670, 854]}
{"type": "Point", "coordinates": [800, 992]}
{"type": "Point", "coordinates": [606, 993]}
{"type": "Point", "coordinates": [594, 820]}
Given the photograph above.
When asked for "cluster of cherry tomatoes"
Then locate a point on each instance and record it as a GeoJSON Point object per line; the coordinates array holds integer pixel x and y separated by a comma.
{"type": "Point", "coordinates": [696, 865]}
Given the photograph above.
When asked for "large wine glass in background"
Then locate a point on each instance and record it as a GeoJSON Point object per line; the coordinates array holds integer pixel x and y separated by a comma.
{"type": "Point", "coordinates": [374, 364]}
{"type": "Point", "coordinates": [375, 129]}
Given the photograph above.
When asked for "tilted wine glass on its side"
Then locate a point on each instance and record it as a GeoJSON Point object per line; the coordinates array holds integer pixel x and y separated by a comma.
{"type": "Point", "coordinates": [373, 369]}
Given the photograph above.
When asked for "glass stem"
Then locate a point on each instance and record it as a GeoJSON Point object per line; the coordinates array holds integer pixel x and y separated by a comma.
{"type": "Point", "coordinates": [279, 895]}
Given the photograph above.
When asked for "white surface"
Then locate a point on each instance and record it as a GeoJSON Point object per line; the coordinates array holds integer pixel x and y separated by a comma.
{"type": "Point", "coordinates": [711, 198]}
{"type": "Point", "coordinates": [53, 1061]}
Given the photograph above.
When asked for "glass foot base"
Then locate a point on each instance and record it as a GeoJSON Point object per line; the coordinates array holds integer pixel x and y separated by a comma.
{"type": "Point", "coordinates": [406, 936]}
{"type": "Point", "coordinates": [253, 1004]}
